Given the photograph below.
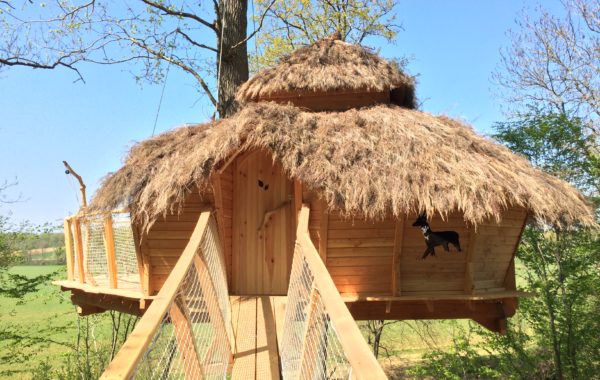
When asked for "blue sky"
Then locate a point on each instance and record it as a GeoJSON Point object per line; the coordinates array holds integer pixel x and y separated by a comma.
{"type": "Point", "coordinates": [46, 118]}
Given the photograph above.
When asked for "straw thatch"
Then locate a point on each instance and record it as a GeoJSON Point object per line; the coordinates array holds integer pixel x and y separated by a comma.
{"type": "Point", "coordinates": [328, 65]}
{"type": "Point", "coordinates": [372, 161]}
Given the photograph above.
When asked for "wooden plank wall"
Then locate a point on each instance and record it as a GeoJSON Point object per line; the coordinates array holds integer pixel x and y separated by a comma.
{"type": "Point", "coordinates": [444, 273]}
{"type": "Point", "coordinates": [360, 254]}
{"type": "Point", "coordinates": [162, 246]}
{"type": "Point", "coordinates": [494, 248]}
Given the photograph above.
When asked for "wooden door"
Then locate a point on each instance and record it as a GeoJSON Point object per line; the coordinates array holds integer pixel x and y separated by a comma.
{"type": "Point", "coordinates": [263, 226]}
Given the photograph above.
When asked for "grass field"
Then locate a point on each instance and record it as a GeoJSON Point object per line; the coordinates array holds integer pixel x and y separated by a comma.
{"type": "Point", "coordinates": [42, 328]}
{"type": "Point", "coordinates": [47, 313]}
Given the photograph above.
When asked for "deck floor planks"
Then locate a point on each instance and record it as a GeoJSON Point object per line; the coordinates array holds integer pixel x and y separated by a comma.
{"type": "Point", "coordinates": [244, 363]}
{"type": "Point", "coordinates": [256, 322]}
{"type": "Point", "coordinates": [267, 354]}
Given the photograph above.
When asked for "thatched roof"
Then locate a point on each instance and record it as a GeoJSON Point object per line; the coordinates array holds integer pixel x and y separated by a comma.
{"type": "Point", "coordinates": [373, 161]}
{"type": "Point", "coordinates": [328, 65]}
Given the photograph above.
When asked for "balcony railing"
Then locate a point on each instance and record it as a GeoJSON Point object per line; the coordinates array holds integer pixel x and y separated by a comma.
{"type": "Point", "coordinates": [101, 251]}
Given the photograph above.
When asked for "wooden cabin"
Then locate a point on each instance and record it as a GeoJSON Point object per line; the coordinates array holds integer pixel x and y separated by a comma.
{"type": "Point", "coordinates": [332, 127]}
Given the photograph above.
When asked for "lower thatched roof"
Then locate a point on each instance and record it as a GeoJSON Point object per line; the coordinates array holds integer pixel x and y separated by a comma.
{"type": "Point", "coordinates": [372, 161]}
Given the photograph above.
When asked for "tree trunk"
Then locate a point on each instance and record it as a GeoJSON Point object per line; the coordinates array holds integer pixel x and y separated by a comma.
{"type": "Point", "coordinates": [232, 61]}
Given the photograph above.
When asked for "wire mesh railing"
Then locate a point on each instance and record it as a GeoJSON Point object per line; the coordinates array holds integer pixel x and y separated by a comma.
{"type": "Point", "coordinates": [312, 348]}
{"type": "Point", "coordinates": [101, 250]}
{"type": "Point", "coordinates": [186, 331]}
{"type": "Point", "coordinates": [320, 339]}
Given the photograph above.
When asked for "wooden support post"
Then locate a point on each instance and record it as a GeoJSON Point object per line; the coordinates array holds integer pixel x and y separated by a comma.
{"type": "Point", "coordinates": [69, 249]}
{"type": "Point", "coordinates": [79, 249]}
{"type": "Point", "coordinates": [134, 348]}
{"type": "Point", "coordinates": [186, 342]}
{"type": "Point", "coordinates": [212, 303]}
{"type": "Point", "coordinates": [509, 305]}
{"type": "Point", "coordinates": [468, 281]}
{"type": "Point", "coordinates": [297, 199]}
{"type": "Point", "coordinates": [218, 199]}
{"type": "Point", "coordinates": [323, 231]}
{"type": "Point", "coordinates": [309, 353]}
{"type": "Point", "coordinates": [364, 365]}
{"type": "Point", "coordinates": [139, 254]}
{"type": "Point", "coordinates": [397, 257]}
{"type": "Point", "coordinates": [109, 246]}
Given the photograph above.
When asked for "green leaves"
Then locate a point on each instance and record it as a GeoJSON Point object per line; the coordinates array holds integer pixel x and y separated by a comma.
{"type": "Point", "coordinates": [288, 25]}
{"type": "Point", "coordinates": [556, 144]}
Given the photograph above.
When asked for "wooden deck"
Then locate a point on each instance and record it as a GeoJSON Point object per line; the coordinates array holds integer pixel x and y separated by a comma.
{"type": "Point", "coordinates": [257, 322]}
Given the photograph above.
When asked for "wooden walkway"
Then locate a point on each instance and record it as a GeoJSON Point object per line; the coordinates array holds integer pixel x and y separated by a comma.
{"type": "Point", "coordinates": [257, 321]}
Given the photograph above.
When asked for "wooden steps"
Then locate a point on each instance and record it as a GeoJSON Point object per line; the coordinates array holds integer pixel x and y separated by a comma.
{"type": "Point", "coordinates": [256, 321]}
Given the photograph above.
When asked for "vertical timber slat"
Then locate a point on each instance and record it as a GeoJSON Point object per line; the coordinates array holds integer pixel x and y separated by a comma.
{"type": "Point", "coordinates": [134, 348]}
{"type": "Point", "coordinates": [397, 256]}
{"type": "Point", "coordinates": [79, 249]}
{"type": "Point", "coordinates": [218, 198]}
{"type": "Point", "coordinates": [109, 245]}
{"type": "Point", "coordinates": [139, 254]}
{"type": "Point", "coordinates": [307, 366]}
{"type": "Point", "coordinates": [211, 300]}
{"type": "Point", "coordinates": [364, 365]}
{"type": "Point", "coordinates": [69, 249]}
{"type": "Point", "coordinates": [468, 282]}
{"type": "Point", "coordinates": [323, 228]}
{"type": "Point", "coordinates": [297, 199]}
{"type": "Point", "coordinates": [185, 340]}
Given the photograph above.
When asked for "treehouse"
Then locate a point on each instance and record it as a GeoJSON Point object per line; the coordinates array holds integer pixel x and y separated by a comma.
{"type": "Point", "coordinates": [250, 244]}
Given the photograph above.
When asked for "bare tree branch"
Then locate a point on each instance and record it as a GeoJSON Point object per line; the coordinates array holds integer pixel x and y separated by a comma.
{"type": "Point", "coordinates": [197, 44]}
{"type": "Point", "coordinates": [17, 61]}
{"type": "Point", "coordinates": [178, 63]}
{"type": "Point", "coordinates": [181, 14]}
{"type": "Point", "coordinates": [260, 24]}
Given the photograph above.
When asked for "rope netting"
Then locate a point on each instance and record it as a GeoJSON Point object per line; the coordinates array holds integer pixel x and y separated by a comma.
{"type": "Point", "coordinates": [310, 347]}
{"type": "Point", "coordinates": [192, 340]}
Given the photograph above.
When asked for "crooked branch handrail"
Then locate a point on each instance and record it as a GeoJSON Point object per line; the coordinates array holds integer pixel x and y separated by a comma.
{"type": "Point", "coordinates": [320, 337]}
{"type": "Point", "coordinates": [189, 291]}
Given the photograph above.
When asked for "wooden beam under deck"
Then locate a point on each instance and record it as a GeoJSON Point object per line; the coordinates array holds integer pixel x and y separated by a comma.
{"type": "Point", "coordinates": [93, 299]}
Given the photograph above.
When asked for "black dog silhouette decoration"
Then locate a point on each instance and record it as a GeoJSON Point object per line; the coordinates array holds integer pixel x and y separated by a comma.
{"type": "Point", "coordinates": [433, 239]}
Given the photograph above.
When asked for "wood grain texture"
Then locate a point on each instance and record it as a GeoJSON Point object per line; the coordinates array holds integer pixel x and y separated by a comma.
{"type": "Point", "coordinates": [263, 226]}
{"type": "Point", "coordinates": [69, 249]}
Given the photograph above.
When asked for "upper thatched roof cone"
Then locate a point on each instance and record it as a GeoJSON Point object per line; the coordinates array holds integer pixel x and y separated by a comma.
{"type": "Point", "coordinates": [332, 67]}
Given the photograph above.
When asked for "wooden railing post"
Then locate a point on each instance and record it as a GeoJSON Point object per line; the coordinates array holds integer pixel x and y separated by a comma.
{"type": "Point", "coordinates": [132, 351]}
{"type": "Point", "coordinates": [212, 301]}
{"type": "Point", "coordinates": [109, 245]}
{"type": "Point", "coordinates": [396, 259]}
{"type": "Point", "coordinates": [357, 352]}
{"type": "Point", "coordinates": [69, 249]}
{"type": "Point", "coordinates": [79, 248]}
{"type": "Point", "coordinates": [310, 345]}
{"type": "Point", "coordinates": [186, 341]}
